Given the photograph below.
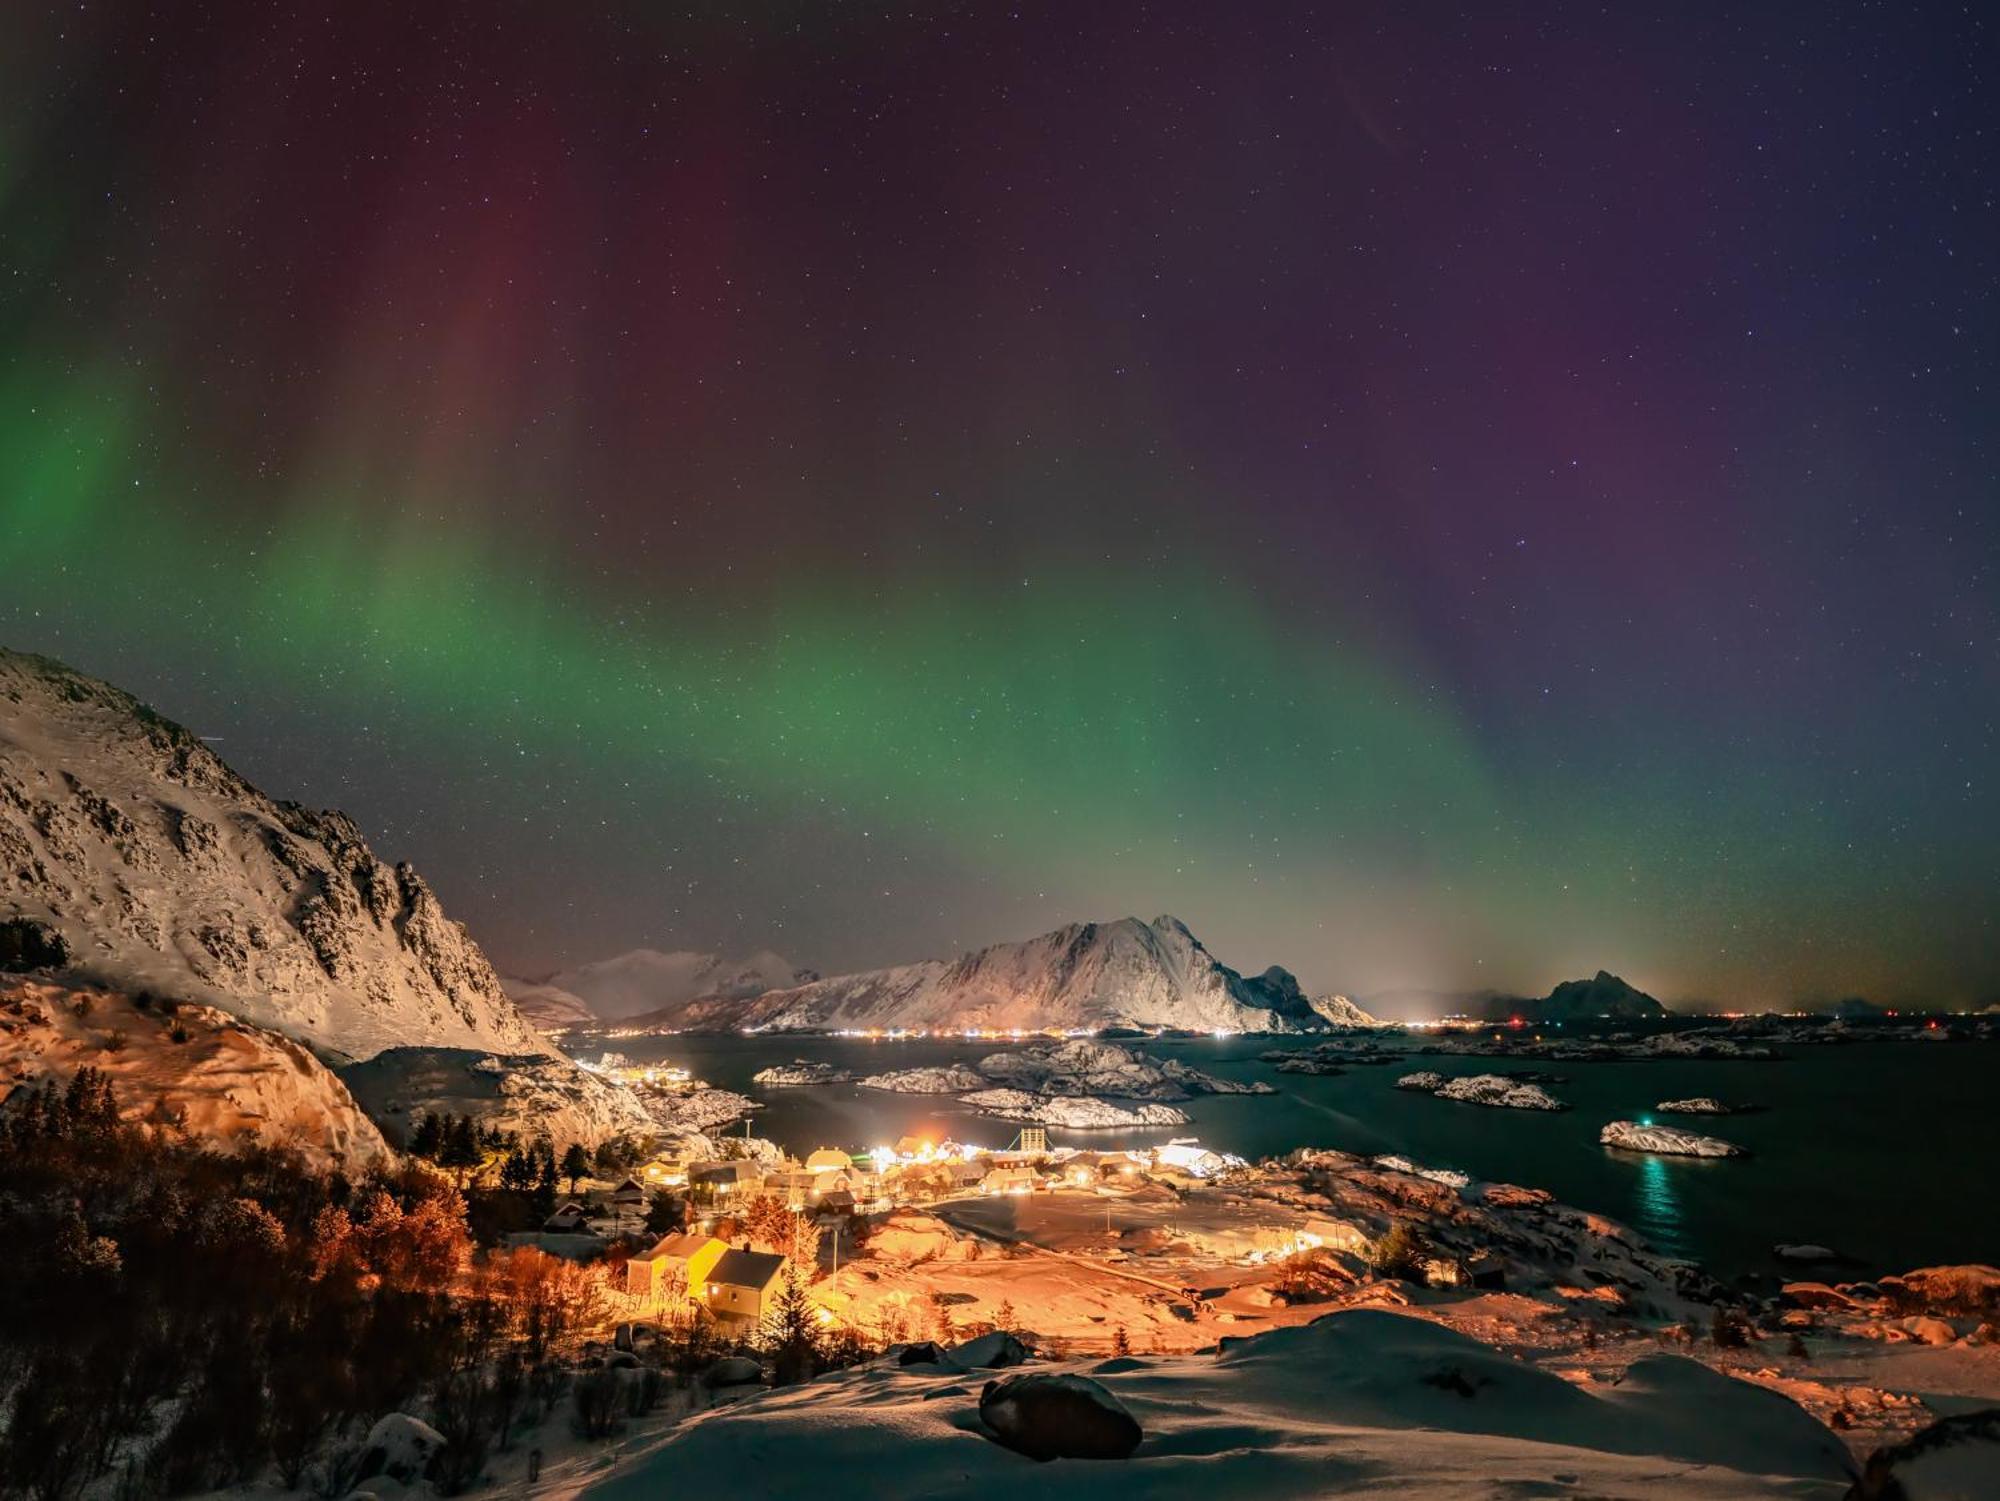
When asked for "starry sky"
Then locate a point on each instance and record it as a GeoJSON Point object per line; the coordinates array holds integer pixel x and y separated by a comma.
{"type": "Point", "coordinates": [1433, 497]}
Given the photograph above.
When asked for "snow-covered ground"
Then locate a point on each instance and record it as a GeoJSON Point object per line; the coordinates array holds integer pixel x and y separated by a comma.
{"type": "Point", "coordinates": [1357, 1403]}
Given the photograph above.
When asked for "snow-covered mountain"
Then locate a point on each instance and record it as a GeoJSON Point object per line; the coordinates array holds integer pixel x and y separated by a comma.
{"type": "Point", "coordinates": [545, 1004]}
{"type": "Point", "coordinates": [650, 980]}
{"type": "Point", "coordinates": [162, 869]}
{"type": "Point", "coordinates": [1086, 975]}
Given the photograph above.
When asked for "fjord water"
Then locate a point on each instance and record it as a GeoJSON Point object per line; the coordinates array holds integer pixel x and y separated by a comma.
{"type": "Point", "coordinates": [1884, 1151]}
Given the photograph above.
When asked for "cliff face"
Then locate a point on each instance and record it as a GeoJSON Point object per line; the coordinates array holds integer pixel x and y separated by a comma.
{"type": "Point", "coordinates": [1083, 976]}
{"type": "Point", "coordinates": [160, 868]}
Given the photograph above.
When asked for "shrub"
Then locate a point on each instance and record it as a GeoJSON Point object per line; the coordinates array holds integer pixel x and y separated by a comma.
{"type": "Point", "coordinates": [1729, 1329]}
{"type": "Point", "coordinates": [594, 1404]}
{"type": "Point", "coordinates": [1400, 1253]}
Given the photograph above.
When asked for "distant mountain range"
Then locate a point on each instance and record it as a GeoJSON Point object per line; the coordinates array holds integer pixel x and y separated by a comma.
{"type": "Point", "coordinates": [1126, 973]}
{"type": "Point", "coordinates": [1602, 996]}
{"type": "Point", "coordinates": [644, 980]}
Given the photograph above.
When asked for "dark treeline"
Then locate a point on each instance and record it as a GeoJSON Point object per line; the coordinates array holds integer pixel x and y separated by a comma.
{"type": "Point", "coordinates": [180, 1319]}
{"type": "Point", "coordinates": [286, 1307]}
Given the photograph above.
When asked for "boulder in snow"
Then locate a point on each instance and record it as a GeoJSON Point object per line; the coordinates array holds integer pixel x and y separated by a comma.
{"type": "Point", "coordinates": [990, 1351]}
{"type": "Point", "coordinates": [400, 1447]}
{"type": "Point", "coordinates": [1955, 1459]}
{"type": "Point", "coordinates": [1058, 1417]}
{"type": "Point", "coordinates": [735, 1370]}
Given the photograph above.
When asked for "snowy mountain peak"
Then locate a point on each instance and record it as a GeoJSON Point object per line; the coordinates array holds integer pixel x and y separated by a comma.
{"type": "Point", "coordinates": [163, 869]}
{"type": "Point", "coordinates": [1126, 972]}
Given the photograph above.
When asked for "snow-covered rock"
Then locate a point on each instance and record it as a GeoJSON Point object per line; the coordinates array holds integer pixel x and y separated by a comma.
{"type": "Point", "coordinates": [1449, 1177]}
{"type": "Point", "coordinates": [1500, 1092]}
{"type": "Point", "coordinates": [1699, 1105]}
{"type": "Point", "coordinates": [800, 1072]}
{"type": "Point", "coordinates": [1082, 977]}
{"type": "Point", "coordinates": [1955, 1459]}
{"type": "Point", "coordinates": [734, 1370]}
{"type": "Point", "coordinates": [162, 869]}
{"type": "Point", "coordinates": [1424, 1081]}
{"type": "Point", "coordinates": [223, 1081]}
{"type": "Point", "coordinates": [699, 1109]}
{"type": "Point", "coordinates": [530, 1094]}
{"type": "Point", "coordinates": [1069, 1112]}
{"type": "Point", "coordinates": [1083, 1067]}
{"type": "Point", "coordinates": [1059, 1416]}
{"type": "Point", "coordinates": [400, 1447]}
{"type": "Point", "coordinates": [952, 1078]}
{"type": "Point", "coordinates": [1671, 1141]}
{"type": "Point", "coordinates": [990, 1352]}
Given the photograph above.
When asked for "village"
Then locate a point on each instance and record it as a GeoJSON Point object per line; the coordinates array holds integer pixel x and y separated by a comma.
{"type": "Point", "coordinates": [909, 1204]}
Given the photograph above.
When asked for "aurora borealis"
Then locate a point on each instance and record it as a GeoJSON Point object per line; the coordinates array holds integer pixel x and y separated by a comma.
{"type": "Point", "coordinates": [1430, 500]}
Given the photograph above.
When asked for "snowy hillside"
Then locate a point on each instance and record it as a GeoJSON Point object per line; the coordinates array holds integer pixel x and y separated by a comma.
{"type": "Point", "coordinates": [649, 979]}
{"type": "Point", "coordinates": [163, 869]}
{"type": "Point", "coordinates": [1086, 975]}
{"type": "Point", "coordinates": [186, 1068]}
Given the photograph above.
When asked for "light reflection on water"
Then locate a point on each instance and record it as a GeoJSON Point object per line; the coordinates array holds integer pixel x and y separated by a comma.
{"type": "Point", "coordinates": [1657, 1214]}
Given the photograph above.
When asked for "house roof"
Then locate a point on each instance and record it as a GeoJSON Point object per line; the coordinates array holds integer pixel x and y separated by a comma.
{"type": "Point", "coordinates": [752, 1269]}
{"type": "Point", "coordinates": [733, 1172]}
{"type": "Point", "coordinates": [630, 1185]}
{"type": "Point", "coordinates": [679, 1246]}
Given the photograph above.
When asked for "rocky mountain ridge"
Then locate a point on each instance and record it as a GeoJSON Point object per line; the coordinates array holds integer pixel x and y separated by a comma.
{"type": "Point", "coordinates": [160, 868]}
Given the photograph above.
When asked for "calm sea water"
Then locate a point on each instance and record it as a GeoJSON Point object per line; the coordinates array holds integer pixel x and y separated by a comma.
{"type": "Point", "coordinates": [1884, 1151]}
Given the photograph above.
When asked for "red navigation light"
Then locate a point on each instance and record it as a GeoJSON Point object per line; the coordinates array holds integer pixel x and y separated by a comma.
{"type": "Point", "coordinates": [1517, 1021]}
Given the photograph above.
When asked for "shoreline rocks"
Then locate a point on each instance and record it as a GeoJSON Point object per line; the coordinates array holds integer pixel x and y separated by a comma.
{"type": "Point", "coordinates": [1495, 1090]}
{"type": "Point", "coordinates": [1069, 1112]}
{"type": "Point", "coordinates": [799, 1072]}
{"type": "Point", "coordinates": [951, 1078]}
{"type": "Point", "coordinates": [1699, 1105]}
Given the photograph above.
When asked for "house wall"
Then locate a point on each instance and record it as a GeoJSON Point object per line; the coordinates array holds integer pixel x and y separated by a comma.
{"type": "Point", "coordinates": [729, 1302]}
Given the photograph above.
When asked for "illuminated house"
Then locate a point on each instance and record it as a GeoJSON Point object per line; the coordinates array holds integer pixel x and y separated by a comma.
{"type": "Point", "coordinates": [680, 1262]}
{"type": "Point", "coordinates": [742, 1286]}
{"type": "Point", "coordinates": [727, 1178]}
{"type": "Point", "coordinates": [828, 1159]}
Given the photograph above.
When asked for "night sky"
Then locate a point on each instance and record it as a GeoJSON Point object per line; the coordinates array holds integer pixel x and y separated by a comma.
{"type": "Point", "coordinates": [1429, 498]}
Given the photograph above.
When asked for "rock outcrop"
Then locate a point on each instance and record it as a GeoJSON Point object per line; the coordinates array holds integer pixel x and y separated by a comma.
{"type": "Point", "coordinates": [1671, 1141]}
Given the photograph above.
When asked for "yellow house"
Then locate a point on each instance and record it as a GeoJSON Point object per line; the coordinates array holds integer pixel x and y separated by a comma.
{"type": "Point", "coordinates": [828, 1159]}
{"type": "Point", "coordinates": [743, 1285]}
{"type": "Point", "coordinates": [686, 1260]}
